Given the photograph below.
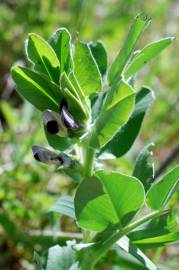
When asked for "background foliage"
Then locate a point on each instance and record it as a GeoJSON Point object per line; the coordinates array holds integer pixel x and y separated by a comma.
{"type": "Point", "coordinates": [27, 189]}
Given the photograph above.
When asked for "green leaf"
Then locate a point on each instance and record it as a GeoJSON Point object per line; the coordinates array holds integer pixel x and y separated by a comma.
{"type": "Point", "coordinates": [126, 136]}
{"type": "Point", "coordinates": [115, 113]}
{"type": "Point", "coordinates": [158, 226]}
{"type": "Point", "coordinates": [107, 199]}
{"type": "Point", "coordinates": [64, 206]}
{"type": "Point", "coordinates": [100, 55]}
{"type": "Point", "coordinates": [75, 107]}
{"type": "Point", "coordinates": [97, 104]}
{"type": "Point", "coordinates": [61, 43]}
{"type": "Point", "coordinates": [138, 26]}
{"type": "Point", "coordinates": [125, 244]}
{"type": "Point", "coordinates": [116, 93]}
{"type": "Point", "coordinates": [144, 167]}
{"type": "Point", "coordinates": [75, 104]}
{"type": "Point", "coordinates": [86, 69]}
{"type": "Point", "coordinates": [57, 142]}
{"type": "Point", "coordinates": [147, 54]}
{"type": "Point", "coordinates": [160, 193]}
{"type": "Point", "coordinates": [84, 100]}
{"type": "Point", "coordinates": [61, 258]}
{"type": "Point", "coordinates": [41, 54]}
{"type": "Point", "coordinates": [40, 92]}
{"type": "Point", "coordinates": [158, 241]}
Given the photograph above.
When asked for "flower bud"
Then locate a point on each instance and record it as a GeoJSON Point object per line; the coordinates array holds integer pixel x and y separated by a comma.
{"type": "Point", "coordinates": [53, 123]}
{"type": "Point", "coordinates": [46, 156]}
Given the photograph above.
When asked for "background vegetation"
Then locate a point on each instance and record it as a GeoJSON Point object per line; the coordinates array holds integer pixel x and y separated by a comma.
{"type": "Point", "coordinates": [27, 189]}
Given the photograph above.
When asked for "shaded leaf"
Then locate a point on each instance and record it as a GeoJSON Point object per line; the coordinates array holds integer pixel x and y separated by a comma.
{"type": "Point", "coordinates": [115, 71]}
{"type": "Point", "coordinates": [147, 54]}
{"type": "Point", "coordinates": [64, 206]}
{"type": "Point", "coordinates": [61, 43]}
{"type": "Point", "coordinates": [144, 167]}
{"type": "Point", "coordinates": [41, 54]}
{"type": "Point", "coordinates": [126, 136]}
{"type": "Point", "coordinates": [100, 55]}
{"type": "Point", "coordinates": [40, 92]}
{"type": "Point", "coordinates": [160, 193]}
{"type": "Point", "coordinates": [86, 70]}
{"type": "Point", "coordinates": [103, 200]}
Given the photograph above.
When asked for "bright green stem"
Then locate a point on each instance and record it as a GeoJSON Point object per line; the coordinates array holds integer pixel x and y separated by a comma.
{"type": "Point", "coordinates": [94, 253]}
{"type": "Point", "coordinates": [89, 161]}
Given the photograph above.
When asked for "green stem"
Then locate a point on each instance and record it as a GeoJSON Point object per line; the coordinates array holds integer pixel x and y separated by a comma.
{"type": "Point", "coordinates": [89, 161]}
{"type": "Point", "coordinates": [99, 249]}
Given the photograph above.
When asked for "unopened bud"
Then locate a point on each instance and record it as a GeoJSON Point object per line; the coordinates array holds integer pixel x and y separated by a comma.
{"type": "Point", "coordinates": [46, 156]}
{"type": "Point", "coordinates": [68, 119]}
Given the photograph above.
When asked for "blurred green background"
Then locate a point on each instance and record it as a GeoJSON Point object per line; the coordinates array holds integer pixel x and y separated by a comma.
{"type": "Point", "coordinates": [28, 189]}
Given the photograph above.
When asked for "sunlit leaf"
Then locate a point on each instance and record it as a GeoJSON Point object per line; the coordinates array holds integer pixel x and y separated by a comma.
{"type": "Point", "coordinates": [107, 199]}
{"type": "Point", "coordinates": [158, 241]}
{"type": "Point", "coordinates": [39, 91]}
{"type": "Point", "coordinates": [86, 70]}
{"type": "Point", "coordinates": [138, 26]}
{"type": "Point", "coordinates": [147, 54]}
{"type": "Point", "coordinates": [41, 54]}
{"type": "Point", "coordinates": [126, 136]}
{"type": "Point", "coordinates": [100, 55]}
{"type": "Point", "coordinates": [61, 43]}
{"type": "Point", "coordinates": [159, 226]}
{"type": "Point", "coordinates": [116, 112]}
{"type": "Point", "coordinates": [160, 193]}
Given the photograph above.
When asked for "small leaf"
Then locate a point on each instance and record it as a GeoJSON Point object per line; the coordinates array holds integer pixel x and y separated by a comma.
{"type": "Point", "coordinates": [61, 258]}
{"type": "Point", "coordinates": [115, 114]}
{"type": "Point", "coordinates": [41, 54]}
{"type": "Point", "coordinates": [159, 226]}
{"type": "Point", "coordinates": [40, 92]}
{"type": "Point", "coordinates": [160, 193]}
{"type": "Point", "coordinates": [147, 54]}
{"type": "Point", "coordinates": [130, 248]}
{"type": "Point", "coordinates": [75, 107]}
{"type": "Point", "coordinates": [86, 69]}
{"type": "Point", "coordinates": [61, 43]}
{"type": "Point", "coordinates": [138, 26]}
{"type": "Point", "coordinates": [84, 100]}
{"type": "Point", "coordinates": [64, 206]}
{"type": "Point", "coordinates": [100, 55]}
{"type": "Point", "coordinates": [158, 241]}
{"type": "Point", "coordinates": [97, 104]}
{"type": "Point", "coordinates": [107, 199]}
{"type": "Point", "coordinates": [126, 136]}
{"type": "Point", "coordinates": [144, 167]}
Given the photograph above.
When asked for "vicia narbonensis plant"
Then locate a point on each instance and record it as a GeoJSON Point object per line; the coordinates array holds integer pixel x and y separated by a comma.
{"type": "Point", "coordinates": [85, 123]}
